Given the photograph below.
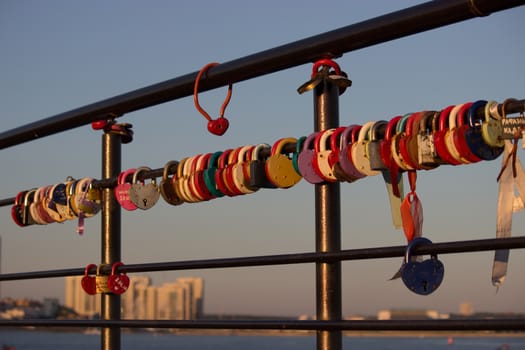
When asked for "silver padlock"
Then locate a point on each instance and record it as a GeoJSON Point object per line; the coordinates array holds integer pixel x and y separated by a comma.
{"type": "Point", "coordinates": [143, 195]}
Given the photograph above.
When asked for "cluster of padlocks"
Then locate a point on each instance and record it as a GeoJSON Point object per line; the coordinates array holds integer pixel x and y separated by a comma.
{"type": "Point", "coordinates": [416, 141]}
{"type": "Point", "coordinates": [115, 283]}
{"type": "Point", "coordinates": [459, 134]}
{"type": "Point", "coordinates": [69, 200]}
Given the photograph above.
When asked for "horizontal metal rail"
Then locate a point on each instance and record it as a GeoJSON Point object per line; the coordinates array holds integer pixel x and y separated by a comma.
{"type": "Point", "coordinates": [504, 324]}
{"type": "Point", "coordinates": [282, 259]}
{"type": "Point", "coordinates": [412, 20]}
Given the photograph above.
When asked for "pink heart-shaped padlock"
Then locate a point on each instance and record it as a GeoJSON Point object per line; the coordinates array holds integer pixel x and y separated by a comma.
{"type": "Point", "coordinates": [118, 283]}
{"type": "Point", "coordinates": [122, 190]}
{"type": "Point", "coordinates": [218, 126]}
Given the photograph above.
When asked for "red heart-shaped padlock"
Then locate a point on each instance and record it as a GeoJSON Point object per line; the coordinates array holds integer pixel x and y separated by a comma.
{"type": "Point", "coordinates": [88, 282]}
{"type": "Point", "coordinates": [118, 284]}
{"type": "Point", "coordinates": [218, 126]}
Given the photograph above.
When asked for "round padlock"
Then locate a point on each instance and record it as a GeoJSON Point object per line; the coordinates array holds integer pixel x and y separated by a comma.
{"type": "Point", "coordinates": [421, 277]}
{"type": "Point", "coordinates": [279, 168]}
{"type": "Point", "coordinates": [492, 128]}
{"type": "Point", "coordinates": [122, 188]}
{"type": "Point", "coordinates": [477, 133]}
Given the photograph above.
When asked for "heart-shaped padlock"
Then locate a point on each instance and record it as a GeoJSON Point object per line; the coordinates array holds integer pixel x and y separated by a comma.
{"type": "Point", "coordinates": [143, 195]}
{"type": "Point", "coordinates": [88, 283]}
{"type": "Point", "coordinates": [118, 283]}
{"type": "Point", "coordinates": [122, 190]}
{"type": "Point", "coordinates": [218, 126]}
{"type": "Point", "coordinates": [421, 277]}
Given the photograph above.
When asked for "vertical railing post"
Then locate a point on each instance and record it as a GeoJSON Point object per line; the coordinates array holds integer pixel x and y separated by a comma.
{"type": "Point", "coordinates": [328, 224]}
{"type": "Point", "coordinates": [110, 303]}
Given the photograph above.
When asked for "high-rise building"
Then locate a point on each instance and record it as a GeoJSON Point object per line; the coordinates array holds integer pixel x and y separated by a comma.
{"type": "Point", "coordinates": [77, 299]}
{"type": "Point", "coordinates": [181, 299]}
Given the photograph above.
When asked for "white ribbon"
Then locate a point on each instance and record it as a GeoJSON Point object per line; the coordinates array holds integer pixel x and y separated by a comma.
{"type": "Point", "coordinates": [508, 203]}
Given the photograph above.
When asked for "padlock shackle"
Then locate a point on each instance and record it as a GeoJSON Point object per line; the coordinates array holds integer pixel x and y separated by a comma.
{"type": "Point", "coordinates": [413, 243]}
{"type": "Point", "coordinates": [471, 113]}
{"type": "Point", "coordinates": [89, 267]}
{"type": "Point", "coordinates": [138, 171]}
{"type": "Point", "coordinates": [115, 266]}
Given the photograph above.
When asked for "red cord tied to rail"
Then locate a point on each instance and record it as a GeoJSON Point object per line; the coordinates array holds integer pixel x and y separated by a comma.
{"type": "Point", "coordinates": [215, 126]}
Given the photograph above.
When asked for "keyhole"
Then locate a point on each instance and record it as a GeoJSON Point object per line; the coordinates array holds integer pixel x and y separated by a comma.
{"type": "Point", "coordinates": [425, 286]}
{"type": "Point", "coordinates": [145, 201]}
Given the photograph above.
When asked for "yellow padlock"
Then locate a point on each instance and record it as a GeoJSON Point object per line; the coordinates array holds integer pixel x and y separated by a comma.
{"type": "Point", "coordinates": [101, 281]}
{"type": "Point", "coordinates": [279, 166]}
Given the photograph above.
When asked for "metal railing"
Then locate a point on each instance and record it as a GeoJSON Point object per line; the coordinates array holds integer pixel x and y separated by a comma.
{"type": "Point", "coordinates": [328, 255]}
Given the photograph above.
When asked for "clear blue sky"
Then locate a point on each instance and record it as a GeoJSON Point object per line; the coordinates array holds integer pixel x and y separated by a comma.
{"type": "Point", "coordinates": [60, 55]}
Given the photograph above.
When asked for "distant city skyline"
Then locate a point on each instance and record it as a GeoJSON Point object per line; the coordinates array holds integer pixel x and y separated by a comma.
{"type": "Point", "coordinates": [177, 300]}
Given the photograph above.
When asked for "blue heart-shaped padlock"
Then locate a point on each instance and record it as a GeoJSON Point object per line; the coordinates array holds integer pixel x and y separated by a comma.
{"type": "Point", "coordinates": [421, 277]}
